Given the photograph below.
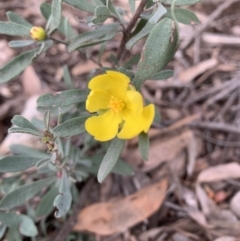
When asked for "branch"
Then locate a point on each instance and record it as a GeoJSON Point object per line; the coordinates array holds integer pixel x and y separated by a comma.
{"type": "Point", "coordinates": [127, 32]}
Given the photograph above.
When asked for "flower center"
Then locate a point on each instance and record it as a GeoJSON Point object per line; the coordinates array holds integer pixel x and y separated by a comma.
{"type": "Point", "coordinates": [115, 105]}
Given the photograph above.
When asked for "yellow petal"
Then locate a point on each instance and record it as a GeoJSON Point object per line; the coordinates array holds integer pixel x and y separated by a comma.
{"type": "Point", "coordinates": [148, 116]}
{"type": "Point", "coordinates": [96, 100]}
{"type": "Point", "coordinates": [134, 124]}
{"type": "Point", "coordinates": [133, 102]}
{"type": "Point", "coordinates": [113, 82]}
{"type": "Point", "coordinates": [103, 127]}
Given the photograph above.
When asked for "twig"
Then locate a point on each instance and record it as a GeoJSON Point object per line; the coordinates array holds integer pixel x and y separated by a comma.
{"type": "Point", "coordinates": [127, 32]}
{"type": "Point", "coordinates": [219, 142]}
{"type": "Point", "coordinates": [211, 18]}
{"type": "Point", "coordinates": [59, 41]}
{"type": "Point", "coordinates": [67, 228]}
{"type": "Point", "coordinates": [215, 126]}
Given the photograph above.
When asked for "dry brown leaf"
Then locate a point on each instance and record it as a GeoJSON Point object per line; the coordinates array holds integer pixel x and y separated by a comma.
{"type": "Point", "coordinates": [31, 82]}
{"type": "Point", "coordinates": [119, 214]}
{"type": "Point", "coordinates": [220, 172]}
{"type": "Point", "coordinates": [166, 149]}
{"type": "Point", "coordinates": [235, 204]}
{"type": "Point", "coordinates": [226, 238]}
{"type": "Point", "coordinates": [83, 68]}
{"type": "Point", "coordinates": [188, 75]}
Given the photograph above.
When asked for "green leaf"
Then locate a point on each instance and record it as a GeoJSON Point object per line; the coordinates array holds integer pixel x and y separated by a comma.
{"type": "Point", "coordinates": [24, 130]}
{"type": "Point", "coordinates": [24, 193]}
{"type": "Point", "coordinates": [56, 14]}
{"type": "Point", "coordinates": [45, 206]}
{"type": "Point", "coordinates": [63, 201]}
{"type": "Point", "coordinates": [46, 119]}
{"type": "Point", "coordinates": [153, 59]}
{"type": "Point", "coordinates": [20, 121]}
{"type": "Point", "coordinates": [94, 37]}
{"type": "Point", "coordinates": [101, 14]}
{"type": "Point", "coordinates": [184, 16]}
{"type": "Point", "coordinates": [164, 74]}
{"type": "Point", "coordinates": [132, 5]}
{"type": "Point", "coordinates": [143, 145]}
{"type": "Point", "coordinates": [68, 31]}
{"type": "Point", "coordinates": [14, 29]}
{"type": "Point", "coordinates": [158, 14]}
{"type": "Point", "coordinates": [17, 163]}
{"type": "Point", "coordinates": [13, 17]}
{"type": "Point", "coordinates": [123, 168]}
{"type": "Point", "coordinates": [110, 158]}
{"type": "Point", "coordinates": [82, 5]}
{"type": "Point", "coordinates": [43, 163]}
{"type": "Point", "coordinates": [21, 222]}
{"type": "Point", "coordinates": [67, 77]}
{"type": "Point", "coordinates": [28, 151]}
{"type": "Point", "coordinates": [20, 43]}
{"type": "Point", "coordinates": [16, 66]}
{"type": "Point", "coordinates": [23, 126]}
{"type": "Point", "coordinates": [2, 230]}
{"type": "Point", "coordinates": [72, 127]}
{"type": "Point", "coordinates": [63, 98]}
{"type": "Point", "coordinates": [181, 2]}
{"type": "Point", "coordinates": [143, 32]}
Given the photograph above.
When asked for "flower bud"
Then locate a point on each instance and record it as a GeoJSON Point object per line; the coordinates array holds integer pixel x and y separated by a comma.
{"type": "Point", "coordinates": [38, 33]}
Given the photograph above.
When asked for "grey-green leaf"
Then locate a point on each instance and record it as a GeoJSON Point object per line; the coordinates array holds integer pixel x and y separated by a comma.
{"type": "Point", "coordinates": [17, 163]}
{"type": "Point", "coordinates": [153, 59]}
{"type": "Point", "coordinates": [20, 43]}
{"type": "Point", "coordinates": [110, 158]}
{"type": "Point", "coordinates": [101, 14]}
{"type": "Point", "coordinates": [16, 66]}
{"type": "Point", "coordinates": [164, 74]}
{"type": "Point", "coordinates": [63, 98]}
{"type": "Point", "coordinates": [94, 37]}
{"type": "Point", "coordinates": [143, 145]}
{"type": "Point", "coordinates": [67, 77]}
{"type": "Point", "coordinates": [158, 14]}
{"type": "Point", "coordinates": [184, 16]}
{"type": "Point", "coordinates": [28, 151]}
{"type": "Point", "coordinates": [24, 193]}
{"type": "Point", "coordinates": [144, 32]}
{"type": "Point", "coordinates": [14, 29]}
{"type": "Point", "coordinates": [2, 230]}
{"type": "Point", "coordinates": [69, 32]}
{"type": "Point", "coordinates": [20, 121]}
{"type": "Point", "coordinates": [22, 222]}
{"type": "Point", "coordinates": [72, 127]}
{"type": "Point", "coordinates": [13, 17]}
{"type": "Point", "coordinates": [82, 5]}
{"type": "Point", "coordinates": [45, 206]}
{"type": "Point", "coordinates": [181, 2]}
{"type": "Point", "coordinates": [56, 14]}
{"type": "Point", "coordinates": [24, 130]}
{"type": "Point", "coordinates": [63, 201]}
{"type": "Point", "coordinates": [46, 119]}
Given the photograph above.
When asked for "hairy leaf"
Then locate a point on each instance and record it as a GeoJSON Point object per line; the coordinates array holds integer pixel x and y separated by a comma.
{"type": "Point", "coordinates": [16, 66]}
{"type": "Point", "coordinates": [101, 14]}
{"type": "Point", "coordinates": [13, 17]}
{"type": "Point", "coordinates": [82, 5]}
{"type": "Point", "coordinates": [143, 145]}
{"type": "Point", "coordinates": [110, 158]}
{"type": "Point", "coordinates": [14, 29]}
{"type": "Point", "coordinates": [56, 14]}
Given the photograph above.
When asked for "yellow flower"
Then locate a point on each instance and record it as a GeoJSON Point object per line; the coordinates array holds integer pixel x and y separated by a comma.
{"type": "Point", "coordinates": [38, 33]}
{"type": "Point", "coordinates": [119, 106]}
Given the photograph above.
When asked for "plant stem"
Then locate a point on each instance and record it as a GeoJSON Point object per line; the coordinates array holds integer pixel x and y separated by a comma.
{"type": "Point", "coordinates": [127, 32]}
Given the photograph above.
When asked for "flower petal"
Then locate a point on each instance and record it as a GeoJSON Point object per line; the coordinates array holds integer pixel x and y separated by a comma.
{"type": "Point", "coordinates": [113, 82]}
{"type": "Point", "coordinates": [97, 99]}
{"type": "Point", "coordinates": [148, 116]}
{"type": "Point", "coordinates": [103, 127]}
{"type": "Point", "coordinates": [133, 102]}
{"type": "Point", "coordinates": [134, 125]}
